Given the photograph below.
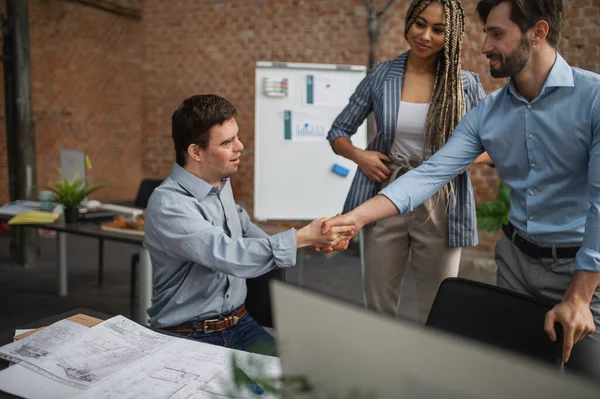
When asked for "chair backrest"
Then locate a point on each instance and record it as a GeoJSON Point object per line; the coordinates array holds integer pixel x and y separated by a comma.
{"type": "Point", "coordinates": [258, 297]}
{"type": "Point", "coordinates": [495, 316]}
{"type": "Point", "coordinates": [144, 192]}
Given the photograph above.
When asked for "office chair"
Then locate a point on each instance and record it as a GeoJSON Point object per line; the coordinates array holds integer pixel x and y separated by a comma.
{"type": "Point", "coordinates": [497, 317]}
{"type": "Point", "coordinates": [258, 297]}
{"type": "Point", "coordinates": [146, 188]}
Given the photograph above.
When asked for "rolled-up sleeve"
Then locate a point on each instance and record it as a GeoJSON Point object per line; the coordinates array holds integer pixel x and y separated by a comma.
{"type": "Point", "coordinates": [415, 187]}
{"type": "Point", "coordinates": [190, 238]}
{"type": "Point", "coordinates": [588, 257]}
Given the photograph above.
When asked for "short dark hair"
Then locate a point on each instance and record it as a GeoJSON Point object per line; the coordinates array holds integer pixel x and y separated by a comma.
{"type": "Point", "coordinates": [192, 121]}
{"type": "Point", "coordinates": [526, 13]}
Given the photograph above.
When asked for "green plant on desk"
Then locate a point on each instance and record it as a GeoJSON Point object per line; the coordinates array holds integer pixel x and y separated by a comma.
{"type": "Point", "coordinates": [491, 215]}
{"type": "Point", "coordinates": [249, 376]}
{"type": "Point", "coordinates": [71, 193]}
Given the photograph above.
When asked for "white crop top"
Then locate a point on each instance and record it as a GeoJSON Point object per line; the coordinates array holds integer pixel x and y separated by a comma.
{"type": "Point", "coordinates": [410, 129]}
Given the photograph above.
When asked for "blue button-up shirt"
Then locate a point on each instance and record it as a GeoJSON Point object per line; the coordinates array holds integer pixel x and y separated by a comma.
{"type": "Point", "coordinates": [203, 246]}
{"type": "Point", "coordinates": [546, 150]}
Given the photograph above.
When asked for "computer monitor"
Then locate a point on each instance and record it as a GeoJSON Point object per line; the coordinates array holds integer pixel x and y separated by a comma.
{"type": "Point", "coordinates": [342, 348]}
{"type": "Point", "coordinates": [72, 164]}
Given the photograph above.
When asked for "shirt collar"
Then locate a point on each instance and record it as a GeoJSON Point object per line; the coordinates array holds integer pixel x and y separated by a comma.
{"type": "Point", "coordinates": [561, 75]}
{"type": "Point", "coordinates": [195, 185]}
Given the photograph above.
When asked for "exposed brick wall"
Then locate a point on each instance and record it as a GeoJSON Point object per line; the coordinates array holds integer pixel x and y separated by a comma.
{"type": "Point", "coordinates": [108, 85]}
{"type": "Point", "coordinates": [87, 94]}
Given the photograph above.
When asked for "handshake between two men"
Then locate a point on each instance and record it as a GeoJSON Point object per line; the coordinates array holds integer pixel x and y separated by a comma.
{"type": "Point", "coordinates": [328, 234]}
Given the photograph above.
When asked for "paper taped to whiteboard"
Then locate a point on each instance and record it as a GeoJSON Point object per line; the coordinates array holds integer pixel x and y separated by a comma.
{"type": "Point", "coordinates": [306, 125]}
{"type": "Point", "coordinates": [328, 91]}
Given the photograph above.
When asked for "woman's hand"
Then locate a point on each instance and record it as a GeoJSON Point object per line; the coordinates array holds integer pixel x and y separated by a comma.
{"type": "Point", "coordinates": [371, 164]}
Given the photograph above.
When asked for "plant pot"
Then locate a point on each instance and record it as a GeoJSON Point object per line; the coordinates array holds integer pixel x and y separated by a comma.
{"type": "Point", "coordinates": [71, 215]}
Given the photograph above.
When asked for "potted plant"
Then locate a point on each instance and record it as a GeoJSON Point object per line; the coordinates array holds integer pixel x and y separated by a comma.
{"type": "Point", "coordinates": [70, 194]}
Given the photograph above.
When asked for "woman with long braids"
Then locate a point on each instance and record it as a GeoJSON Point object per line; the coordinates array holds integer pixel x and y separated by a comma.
{"type": "Point", "coordinates": [417, 100]}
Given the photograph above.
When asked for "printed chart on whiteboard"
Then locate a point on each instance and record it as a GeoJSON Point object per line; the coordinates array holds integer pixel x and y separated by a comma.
{"type": "Point", "coordinates": [306, 124]}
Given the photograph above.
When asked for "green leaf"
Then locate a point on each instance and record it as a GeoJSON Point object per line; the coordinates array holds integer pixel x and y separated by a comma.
{"type": "Point", "coordinates": [71, 193]}
{"type": "Point", "coordinates": [504, 192]}
{"type": "Point", "coordinates": [491, 215]}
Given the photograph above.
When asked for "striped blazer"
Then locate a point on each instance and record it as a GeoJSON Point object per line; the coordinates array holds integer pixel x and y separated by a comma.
{"type": "Point", "coordinates": [380, 93]}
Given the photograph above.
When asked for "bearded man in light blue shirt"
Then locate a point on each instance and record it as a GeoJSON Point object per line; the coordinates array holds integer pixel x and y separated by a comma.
{"type": "Point", "coordinates": [203, 245]}
{"type": "Point", "coordinates": [542, 131]}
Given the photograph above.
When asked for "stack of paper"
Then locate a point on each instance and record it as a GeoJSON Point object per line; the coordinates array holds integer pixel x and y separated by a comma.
{"type": "Point", "coordinates": [34, 217]}
{"type": "Point", "coordinates": [19, 206]}
{"type": "Point", "coordinates": [121, 359]}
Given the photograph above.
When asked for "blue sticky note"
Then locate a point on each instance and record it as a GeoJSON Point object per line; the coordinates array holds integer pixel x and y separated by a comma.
{"type": "Point", "coordinates": [257, 389]}
{"type": "Point", "coordinates": [340, 170]}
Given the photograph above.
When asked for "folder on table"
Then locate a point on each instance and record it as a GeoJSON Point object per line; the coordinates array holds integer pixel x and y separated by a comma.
{"type": "Point", "coordinates": [34, 217]}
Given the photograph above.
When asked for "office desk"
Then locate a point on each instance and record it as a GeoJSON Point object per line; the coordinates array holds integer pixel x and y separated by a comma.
{"type": "Point", "coordinates": [92, 229]}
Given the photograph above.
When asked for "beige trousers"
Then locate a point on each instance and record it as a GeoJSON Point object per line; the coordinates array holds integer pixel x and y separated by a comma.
{"type": "Point", "coordinates": [420, 237]}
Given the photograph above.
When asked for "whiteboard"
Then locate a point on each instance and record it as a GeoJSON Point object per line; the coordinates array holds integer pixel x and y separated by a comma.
{"type": "Point", "coordinates": [297, 176]}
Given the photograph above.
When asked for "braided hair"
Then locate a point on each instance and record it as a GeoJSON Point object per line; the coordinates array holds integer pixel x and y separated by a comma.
{"type": "Point", "coordinates": [448, 102]}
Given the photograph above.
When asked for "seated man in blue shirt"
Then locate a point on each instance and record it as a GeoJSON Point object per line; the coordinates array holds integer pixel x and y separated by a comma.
{"type": "Point", "coordinates": [542, 129]}
{"type": "Point", "coordinates": [203, 245]}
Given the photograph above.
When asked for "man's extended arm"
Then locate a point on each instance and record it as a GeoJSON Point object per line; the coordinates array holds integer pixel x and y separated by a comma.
{"type": "Point", "coordinates": [419, 184]}
{"type": "Point", "coordinates": [249, 229]}
{"type": "Point", "coordinates": [195, 239]}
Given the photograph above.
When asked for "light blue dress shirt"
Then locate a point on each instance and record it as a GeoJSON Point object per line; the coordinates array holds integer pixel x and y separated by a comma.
{"type": "Point", "coordinates": [203, 246]}
{"type": "Point", "coordinates": [546, 150]}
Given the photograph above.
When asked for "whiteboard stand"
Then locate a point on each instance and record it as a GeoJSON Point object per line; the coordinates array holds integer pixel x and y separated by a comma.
{"type": "Point", "coordinates": [300, 267]}
{"type": "Point", "coordinates": [361, 249]}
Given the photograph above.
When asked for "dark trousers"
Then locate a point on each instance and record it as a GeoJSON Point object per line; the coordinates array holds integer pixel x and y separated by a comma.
{"type": "Point", "coordinates": [549, 278]}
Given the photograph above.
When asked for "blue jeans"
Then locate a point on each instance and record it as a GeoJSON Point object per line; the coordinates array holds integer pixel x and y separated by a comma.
{"type": "Point", "coordinates": [246, 335]}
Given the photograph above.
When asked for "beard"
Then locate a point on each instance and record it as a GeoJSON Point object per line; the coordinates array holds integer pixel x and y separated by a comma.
{"type": "Point", "coordinates": [513, 63]}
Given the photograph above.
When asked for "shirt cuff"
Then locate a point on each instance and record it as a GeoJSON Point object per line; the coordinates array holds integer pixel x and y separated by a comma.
{"type": "Point", "coordinates": [587, 260]}
{"type": "Point", "coordinates": [283, 246]}
{"type": "Point", "coordinates": [399, 198]}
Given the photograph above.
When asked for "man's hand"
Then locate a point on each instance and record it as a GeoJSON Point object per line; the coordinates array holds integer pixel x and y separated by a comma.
{"type": "Point", "coordinates": [339, 220]}
{"type": "Point", "coordinates": [576, 320]}
{"type": "Point", "coordinates": [312, 235]}
{"type": "Point", "coordinates": [376, 208]}
{"type": "Point", "coordinates": [371, 164]}
{"type": "Point", "coordinates": [347, 219]}
{"type": "Point", "coordinates": [342, 246]}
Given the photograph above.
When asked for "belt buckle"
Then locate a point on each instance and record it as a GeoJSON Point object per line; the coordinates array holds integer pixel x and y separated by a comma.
{"type": "Point", "coordinates": [231, 320]}
{"type": "Point", "coordinates": [205, 328]}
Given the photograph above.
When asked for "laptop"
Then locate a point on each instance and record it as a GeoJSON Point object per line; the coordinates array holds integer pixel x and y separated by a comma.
{"type": "Point", "coordinates": [342, 349]}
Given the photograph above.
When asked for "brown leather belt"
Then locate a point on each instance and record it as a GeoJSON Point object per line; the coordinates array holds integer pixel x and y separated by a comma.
{"type": "Point", "coordinates": [211, 325]}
